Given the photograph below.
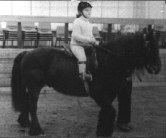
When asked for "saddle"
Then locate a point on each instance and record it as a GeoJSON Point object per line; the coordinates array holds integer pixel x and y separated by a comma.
{"type": "Point", "coordinates": [92, 63]}
{"type": "Point", "coordinates": [90, 53]}
{"type": "Point", "coordinates": [67, 50]}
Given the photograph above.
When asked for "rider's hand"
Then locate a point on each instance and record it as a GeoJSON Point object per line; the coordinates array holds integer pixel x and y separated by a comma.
{"type": "Point", "coordinates": [93, 41]}
{"type": "Point", "coordinates": [97, 43]}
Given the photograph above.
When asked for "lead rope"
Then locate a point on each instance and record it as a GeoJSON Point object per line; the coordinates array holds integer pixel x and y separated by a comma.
{"type": "Point", "coordinates": [80, 108]}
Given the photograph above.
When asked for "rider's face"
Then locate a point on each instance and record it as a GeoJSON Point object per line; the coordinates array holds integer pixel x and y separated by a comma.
{"type": "Point", "coordinates": [87, 12]}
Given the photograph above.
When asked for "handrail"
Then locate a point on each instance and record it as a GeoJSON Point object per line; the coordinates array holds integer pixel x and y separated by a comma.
{"type": "Point", "coordinates": [57, 19]}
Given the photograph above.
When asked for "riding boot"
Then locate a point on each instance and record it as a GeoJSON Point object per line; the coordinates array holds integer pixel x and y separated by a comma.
{"type": "Point", "coordinates": [82, 71]}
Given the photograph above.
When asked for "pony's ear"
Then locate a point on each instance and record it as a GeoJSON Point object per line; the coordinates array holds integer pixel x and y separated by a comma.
{"type": "Point", "coordinates": [151, 33]}
{"type": "Point", "coordinates": [148, 33]}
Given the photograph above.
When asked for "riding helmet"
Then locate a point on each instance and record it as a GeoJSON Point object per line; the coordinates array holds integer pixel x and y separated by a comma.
{"type": "Point", "coordinates": [83, 5]}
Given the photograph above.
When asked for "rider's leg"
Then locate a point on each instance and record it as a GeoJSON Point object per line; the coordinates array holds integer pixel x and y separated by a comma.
{"type": "Point", "coordinates": [79, 53]}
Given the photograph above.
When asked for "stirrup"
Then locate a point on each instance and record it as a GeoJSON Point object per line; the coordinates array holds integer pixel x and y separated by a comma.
{"type": "Point", "coordinates": [89, 76]}
{"type": "Point", "coordinates": [86, 76]}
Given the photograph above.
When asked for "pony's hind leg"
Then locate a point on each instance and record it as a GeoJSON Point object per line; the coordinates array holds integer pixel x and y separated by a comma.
{"type": "Point", "coordinates": [23, 118]}
{"type": "Point", "coordinates": [35, 128]}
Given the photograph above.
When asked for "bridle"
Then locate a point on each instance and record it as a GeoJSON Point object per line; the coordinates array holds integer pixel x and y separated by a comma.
{"type": "Point", "coordinates": [147, 52]}
{"type": "Point", "coordinates": [146, 45]}
{"type": "Point", "coordinates": [147, 42]}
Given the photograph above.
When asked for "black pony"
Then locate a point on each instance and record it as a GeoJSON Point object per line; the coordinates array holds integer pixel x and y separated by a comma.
{"type": "Point", "coordinates": [34, 69]}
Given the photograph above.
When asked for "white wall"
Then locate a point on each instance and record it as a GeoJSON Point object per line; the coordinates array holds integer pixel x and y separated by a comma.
{"type": "Point", "coordinates": [108, 9]}
{"type": "Point", "coordinates": [156, 9]}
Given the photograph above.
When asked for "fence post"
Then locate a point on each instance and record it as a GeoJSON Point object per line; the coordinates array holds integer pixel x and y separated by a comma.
{"type": "Point", "coordinates": [149, 27]}
{"type": "Point", "coordinates": [66, 32]}
{"type": "Point", "coordinates": [19, 36]}
{"type": "Point", "coordinates": [109, 32]}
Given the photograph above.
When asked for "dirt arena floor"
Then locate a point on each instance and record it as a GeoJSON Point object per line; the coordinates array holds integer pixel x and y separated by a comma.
{"type": "Point", "coordinates": [71, 117]}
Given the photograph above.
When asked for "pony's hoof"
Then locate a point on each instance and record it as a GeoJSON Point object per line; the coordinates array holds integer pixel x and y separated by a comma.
{"type": "Point", "coordinates": [103, 134]}
{"type": "Point", "coordinates": [124, 127]}
{"type": "Point", "coordinates": [36, 132]}
{"type": "Point", "coordinates": [23, 122]}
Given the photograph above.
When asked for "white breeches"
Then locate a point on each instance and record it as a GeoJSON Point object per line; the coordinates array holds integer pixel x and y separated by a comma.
{"type": "Point", "coordinates": [79, 52]}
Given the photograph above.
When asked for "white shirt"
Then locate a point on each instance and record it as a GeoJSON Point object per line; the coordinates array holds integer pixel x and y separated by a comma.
{"type": "Point", "coordinates": [82, 32]}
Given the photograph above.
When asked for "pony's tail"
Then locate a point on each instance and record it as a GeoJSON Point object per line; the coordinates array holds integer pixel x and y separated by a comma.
{"type": "Point", "coordinates": [17, 86]}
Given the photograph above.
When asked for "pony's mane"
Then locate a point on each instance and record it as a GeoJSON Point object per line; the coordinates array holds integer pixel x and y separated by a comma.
{"type": "Point", "coordinates": [125, 40]}
{"type": "Point", "coordinates": [128, 48]}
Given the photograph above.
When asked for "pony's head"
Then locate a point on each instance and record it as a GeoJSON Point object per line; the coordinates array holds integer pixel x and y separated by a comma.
{"type": "Point", "coordinates": [135, 51]}
{"type": "Point", "coordinates": [151, 52]}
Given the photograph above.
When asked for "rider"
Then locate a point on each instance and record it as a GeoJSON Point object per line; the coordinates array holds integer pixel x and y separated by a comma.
{"type": "Point", "coordinates": [82, 37]}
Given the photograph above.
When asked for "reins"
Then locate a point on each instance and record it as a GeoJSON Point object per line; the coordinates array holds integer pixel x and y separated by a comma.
{"type": "Point", "coordinates": [104, 49]}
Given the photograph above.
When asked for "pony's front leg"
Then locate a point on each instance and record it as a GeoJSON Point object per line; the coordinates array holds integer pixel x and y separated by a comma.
{"type": "Point", "coordinates": [23, 118]}
{"type": "Point", "coordinates": [35, 128]}
{"type": "Point", "coordinates": [106, 116]}
{"type": "Point", "coordinates": [106, 120]}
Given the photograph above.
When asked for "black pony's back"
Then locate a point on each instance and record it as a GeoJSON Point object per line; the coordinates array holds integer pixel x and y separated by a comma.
{"type": "Point", "coordinates": [52, 67]}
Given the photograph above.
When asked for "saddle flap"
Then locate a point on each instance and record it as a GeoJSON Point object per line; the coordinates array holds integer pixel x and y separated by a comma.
{"type": "Point", "coordinates": [91, 58]}
{"type": "Point", "coordinates": [67, 49]}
